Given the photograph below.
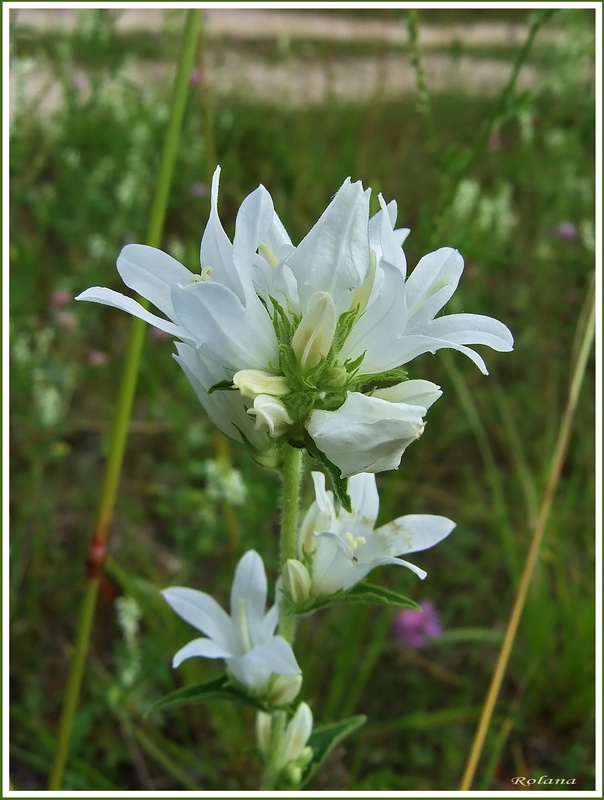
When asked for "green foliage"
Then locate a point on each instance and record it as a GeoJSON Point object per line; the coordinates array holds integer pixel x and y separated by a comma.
{"type": "Point", "coordinates": [219, 689]}
{"type": "Point", "coordinates": [324, 739]}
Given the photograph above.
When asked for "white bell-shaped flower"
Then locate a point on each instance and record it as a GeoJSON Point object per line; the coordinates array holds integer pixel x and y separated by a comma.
{"type": "Point", "coordinates": [344, 546]}
{"type": "Point", "coordinates": [246, 638]}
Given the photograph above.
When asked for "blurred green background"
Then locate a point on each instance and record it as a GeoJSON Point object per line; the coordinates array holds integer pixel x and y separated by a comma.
{"type": "Point", "coordinates": [299, 101]}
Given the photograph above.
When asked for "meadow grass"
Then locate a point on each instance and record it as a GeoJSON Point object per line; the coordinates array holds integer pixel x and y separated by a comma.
{"type": "Point", "coordinates": [82, 180]}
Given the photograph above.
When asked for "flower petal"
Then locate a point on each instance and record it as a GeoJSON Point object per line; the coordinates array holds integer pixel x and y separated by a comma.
{"type": "Point", "coordinates": [234, 335]}
{"type": "Point", "coordinates": [151, 273]}
{"type": "Point", "coordinates": [216, 250]}
{"type": "Point", "coordinates": [431, 285]}
{"type": "Point", "coordinates": [202, 612]}
{"type": "Point", "coordinates": [226, 409]}
{"type": "Point", "coordinates": [366, 434]}
{"type": "Point", "coordinates": [472, 329]}
{"type": "Point", "coordinates": [204, 648]}
{"type": "Point", "coordinates": [248, 593]}
{"type": "Point", "coordinates": [377, 331]}
{"type": "Point", "coordinates": [109, 297]}
{"type": "Point", "coordinates": [364, 499]}
{"type": "Point", "coordinates": [414, 532]}
{"type": "Point", "coordinates": [415, 392]}
{"type": "Point", "coordinates": [276, 655]}
{"type": "Point", "coordinates": [334, 256]}
{"type": "Point", "coordinates": [413, 346]}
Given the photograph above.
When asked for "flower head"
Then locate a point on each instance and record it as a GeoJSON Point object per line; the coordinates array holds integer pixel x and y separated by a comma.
{"type": "Point", "coordinates": [415, 627]}
{"type": "Point", "coordinates": [343, 547]}
{"type": "Point", "coordinates": [331, 320]}
{"type": "Point", "coordinates": [245, 639]}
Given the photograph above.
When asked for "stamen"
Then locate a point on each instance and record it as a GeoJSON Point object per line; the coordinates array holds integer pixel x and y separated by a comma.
{"type": "Point", "coordinates": [268, 254]}
{"type": "Point", "coordinates": [354, 541]}
{"type": "Point", "coordinates": [205, 275]}
{"type": "Point", "coordinates": [244, 625]}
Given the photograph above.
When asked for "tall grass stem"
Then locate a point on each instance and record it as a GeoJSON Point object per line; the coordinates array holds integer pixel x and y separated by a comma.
{"type": "Point", "coordinates": [560, 450]}
{"type": "Point", "coordinates": [98, 548]}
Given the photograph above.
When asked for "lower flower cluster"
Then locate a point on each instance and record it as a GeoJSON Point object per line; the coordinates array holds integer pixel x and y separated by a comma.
{"type": "Point", "coordinates": [337, 549]}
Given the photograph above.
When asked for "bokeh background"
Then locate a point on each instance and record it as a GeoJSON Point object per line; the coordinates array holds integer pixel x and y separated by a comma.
{"type": "Point", "coordinates": [298, 100]}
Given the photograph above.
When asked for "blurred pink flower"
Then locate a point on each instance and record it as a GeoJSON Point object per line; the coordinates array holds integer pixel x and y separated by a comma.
{"type": "Point", "coordinates": [196, 76]}
{"type": "Point", "coordinates": [61, 298]}
{"type": "Point", "coordinates": [97, 358]}
{"type": "Point", "coordinates": [414, 629]}
{"type": "Point", "coordinates": [199, 189]}
{"type": "Point", "coordinates": [66, 320]}
{"type": "Point", "coordinates": [567, 231]}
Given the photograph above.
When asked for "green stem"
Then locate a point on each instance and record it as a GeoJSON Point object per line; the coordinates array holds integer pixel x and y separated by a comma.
{"type": "Point", "coordinates": [291, 476]}
{"type": "Point", "coordinates": [98, 547]}
{"type": "Point", "coordinates": [270, 778]}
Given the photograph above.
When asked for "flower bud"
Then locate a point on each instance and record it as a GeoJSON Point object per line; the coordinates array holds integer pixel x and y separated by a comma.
{"type": "Point", "coordinates": [263, 732]}
{"type": "Point", "coordinates": [316, 330]}
{"type": "Point", "coordinates": [296, 735]}
{"type": "Point", "coordinates": [335, 377]}
{"type": "Point", "coordinates": [283, 689]}
{"type": "Point", "coordinates": [252, 382]}
{"type": "Point", "coordinates": [271, 415]}
{"type": "Point", "coordinates": [296, 580]}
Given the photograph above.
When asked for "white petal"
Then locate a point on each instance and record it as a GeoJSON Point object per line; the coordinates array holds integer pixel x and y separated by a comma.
{"type": "Point", "coordinates": [472, 329]}
{"type": "Point", "coordinates": [364, 498]}
{"type": "Point", "coordinates": [234, 335]}
{"type": "Point", "coordinates": [248, 593]}
{"type": "Point", "coordinates": [413, 346]}
{"type": "Point", "coordinates": [202, 612]}
{"type": "Point", "coordinates": [324, 498]}
{"type": "Point", "coordinates": [204, 648]}
{"type": "Point", "coordinates": [254, 221]}
{"type": "Point", "coordinates": [334, 256]}
{"type": "Point", "coordinates": [415, 393]}
{"type": "Point", "coordinates": [421, 573]}
{"type": "Point", "coordinates": [366, 434]}
{"type": "Point", "coordinates": [152, 273]}
{"type": "Point", "coordinates": [216, 249]}
{"type": "Point", "coordinates": [270, 622]}
{"type": "Point", "coordinates": [248, 673]}
{"type": "Point", "coordinates": [226, 409]}
{"type": "Point", "coordinates": [377, 330]}
{"type": "Point", "coordinates": [415, 532]}
{"type": "Point", "coordinates": [108, 297]}
{"type": "Point", "coordinates": [431, 285]}
{"type": "Point", "coordinates": [383, 239]}
{"type": "Point", "coordinates": [276, 655]}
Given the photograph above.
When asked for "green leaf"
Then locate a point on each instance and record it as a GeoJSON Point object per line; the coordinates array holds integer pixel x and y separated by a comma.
{"type": "Point", "coordinates": [324, 739]}
{"type": "Point", "coordinates": [370, 593]}
{"type": "Point", "coordinates": [381, 380]}
{"type": "Point", "coordinates": [363, 592]}
{"type": "Point", "coordinates": [222, 386]}
{"type": "Point", "coordinates": [218, 689]}
{"type": "Point", "coordinates": [340, 485]}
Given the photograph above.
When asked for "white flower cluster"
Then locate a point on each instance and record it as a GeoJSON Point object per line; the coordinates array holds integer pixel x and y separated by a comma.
{"type": "Point", "coordinates": [306, 344]}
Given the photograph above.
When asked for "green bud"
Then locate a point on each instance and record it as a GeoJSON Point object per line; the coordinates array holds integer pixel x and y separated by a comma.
{"type": "Point", "coordinates": [283, 689]}
{"type": "Point", "coordinates": [296, 581]}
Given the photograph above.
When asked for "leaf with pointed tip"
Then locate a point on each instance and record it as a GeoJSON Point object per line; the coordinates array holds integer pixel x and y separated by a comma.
{"type": "Point", "coordinates": [362, 592]}
{"type": "Point", "coordinates": [324, 739]}
{"type": "Point", "coordinates": [365, 592]}
{"type": "Point", "coordinates": [218, 689]}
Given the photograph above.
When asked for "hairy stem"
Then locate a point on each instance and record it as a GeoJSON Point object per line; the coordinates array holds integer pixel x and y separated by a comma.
{"type": "Point", "coordinates": [291, 476]}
